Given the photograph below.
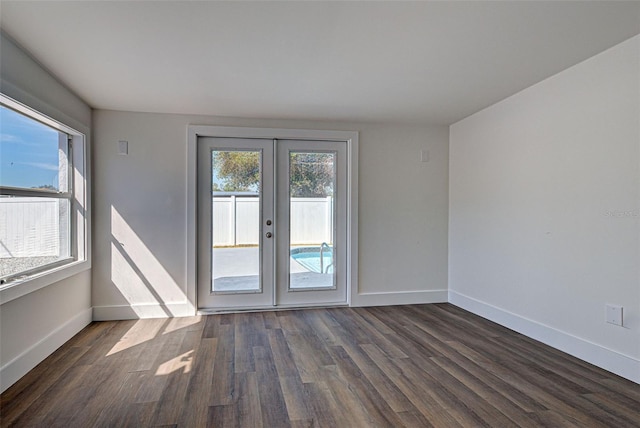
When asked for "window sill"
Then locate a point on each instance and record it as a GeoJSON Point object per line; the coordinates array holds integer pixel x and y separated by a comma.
{"type": "Point", "coordinates": [35, 282]}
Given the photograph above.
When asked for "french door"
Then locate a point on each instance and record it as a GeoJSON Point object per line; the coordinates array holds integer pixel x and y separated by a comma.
{"type": "Point", "coordinates": [272, 223]}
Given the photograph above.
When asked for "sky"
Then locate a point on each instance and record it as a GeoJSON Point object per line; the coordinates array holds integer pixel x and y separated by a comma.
{"type": "Point", "coordinates": [28, 151]}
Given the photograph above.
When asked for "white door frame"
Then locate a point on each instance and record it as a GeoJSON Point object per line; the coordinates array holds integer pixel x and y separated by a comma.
{"type": "Point", "coordinates": [196, 131]}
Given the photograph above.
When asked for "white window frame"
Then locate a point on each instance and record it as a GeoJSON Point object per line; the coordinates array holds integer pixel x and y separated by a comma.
{"type": "Point", "coordinates": [80, 215]}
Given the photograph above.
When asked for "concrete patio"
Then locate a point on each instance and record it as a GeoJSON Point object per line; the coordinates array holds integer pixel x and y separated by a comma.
{"type": "Point", "coordinates": [238, 269]}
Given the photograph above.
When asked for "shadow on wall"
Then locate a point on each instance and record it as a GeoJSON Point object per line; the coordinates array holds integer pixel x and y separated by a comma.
{"type": "Point", "coordinates": [138, 275]}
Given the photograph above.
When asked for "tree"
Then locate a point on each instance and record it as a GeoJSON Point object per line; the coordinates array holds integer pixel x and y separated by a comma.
{"type": "Point", "coordinates": [45, 187]}
{"type": "Point", "coordinates": [311, 174]}
{"type": "Point", "coordinates": [237, 171]}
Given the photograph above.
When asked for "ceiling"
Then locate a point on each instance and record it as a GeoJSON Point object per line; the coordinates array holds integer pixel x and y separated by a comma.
{"type": "Point", "coordinates": [428, 62]}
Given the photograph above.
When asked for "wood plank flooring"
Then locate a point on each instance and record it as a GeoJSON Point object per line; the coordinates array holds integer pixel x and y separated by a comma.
{"type": "Point", "coordinates": [414, 366]}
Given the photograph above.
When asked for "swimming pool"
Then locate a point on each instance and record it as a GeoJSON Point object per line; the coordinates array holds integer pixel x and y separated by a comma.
{"type": "Point", "coordinates": [309, 258]}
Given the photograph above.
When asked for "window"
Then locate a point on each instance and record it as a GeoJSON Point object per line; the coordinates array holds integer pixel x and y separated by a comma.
{"type": "Point", "coordinates": [42, 207]}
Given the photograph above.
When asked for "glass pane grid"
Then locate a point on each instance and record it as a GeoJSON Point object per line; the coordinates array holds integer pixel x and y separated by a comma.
{"type": "Point", "coordinates": [35, 205]}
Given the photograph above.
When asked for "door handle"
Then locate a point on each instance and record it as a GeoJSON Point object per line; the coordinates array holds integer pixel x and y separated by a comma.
{"type": "Point", "coordinates": [269, 235]}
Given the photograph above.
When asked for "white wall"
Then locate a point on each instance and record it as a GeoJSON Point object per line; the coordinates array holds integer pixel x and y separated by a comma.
{"type": "Point", "coordinates": [34, 325]}
{"type": "Point", "coordinates": [544, 210]}
{"type": "Point", "coordinates": [141, 202]}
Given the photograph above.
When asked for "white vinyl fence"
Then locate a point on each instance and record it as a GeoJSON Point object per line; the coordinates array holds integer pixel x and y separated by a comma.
{"type": "Point", "coordinates": [236, 220]}
{"type": "Point", "coordinates": [30, 227]}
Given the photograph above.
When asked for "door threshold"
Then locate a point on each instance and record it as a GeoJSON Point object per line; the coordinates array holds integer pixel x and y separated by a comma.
{"type": "Point", "coordinates": [219, 311]}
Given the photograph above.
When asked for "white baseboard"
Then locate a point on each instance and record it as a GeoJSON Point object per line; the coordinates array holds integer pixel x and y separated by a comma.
{"type": "Point", "coordinates": [11, 372]}
{"type": "Point", "coordinates": [399, 298]}
{"type": "Point", "coordinates": [607, 359]}
{"type": "Point", "coordinates": [134, 312]}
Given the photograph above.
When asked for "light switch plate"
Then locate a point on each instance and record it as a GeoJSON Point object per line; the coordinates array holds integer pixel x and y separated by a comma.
{"type": "Point", "coordinates": [614, 314]}
{"type": "Point", "coordinates": [123, 147]}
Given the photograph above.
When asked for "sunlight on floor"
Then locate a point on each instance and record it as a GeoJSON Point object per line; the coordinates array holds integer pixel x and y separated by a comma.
{"type": "Point", "coordinates": [181, 322]}
{"type": "Point", "coordinates": [181, 362]}
{"type": "Point", "coordinates": [142, 331]}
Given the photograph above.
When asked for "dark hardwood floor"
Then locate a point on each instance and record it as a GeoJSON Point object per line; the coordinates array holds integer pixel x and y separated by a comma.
{"type": "Point", "coordinates": [416, 366]}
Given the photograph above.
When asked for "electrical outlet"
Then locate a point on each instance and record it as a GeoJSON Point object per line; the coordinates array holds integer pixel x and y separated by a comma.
{"type": "Point", "coordinates": [613, 314]}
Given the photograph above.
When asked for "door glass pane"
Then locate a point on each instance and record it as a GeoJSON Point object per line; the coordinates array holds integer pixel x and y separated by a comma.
{"type": "Point", "coordinates": [235, 185]}
{"type": "Point", "coordinates": [312, 179]}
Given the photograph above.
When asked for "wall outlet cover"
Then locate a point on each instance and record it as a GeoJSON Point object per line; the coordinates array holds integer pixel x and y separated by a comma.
{"type": "Point", "coordinates": [123, 147]}
{"type": "Point", "coordinates": [613, 314]}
